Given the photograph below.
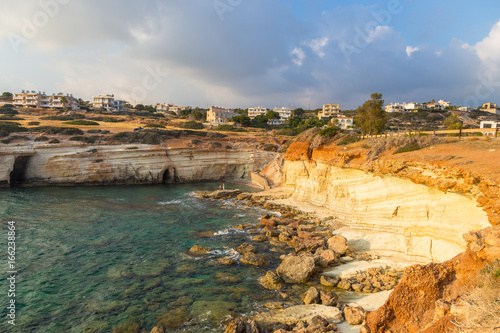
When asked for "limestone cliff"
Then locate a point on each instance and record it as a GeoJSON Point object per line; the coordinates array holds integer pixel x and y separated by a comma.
{"type": "Point", "coordinates": [69, 165]}
{"type": "Point", "coordinates": [419, 221]}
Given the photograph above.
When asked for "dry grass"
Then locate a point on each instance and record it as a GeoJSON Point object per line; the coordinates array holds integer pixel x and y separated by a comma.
{"type": "Point", "coordinates": [378, 145]}
{"type": "Point", "coordinates": [481, 305]}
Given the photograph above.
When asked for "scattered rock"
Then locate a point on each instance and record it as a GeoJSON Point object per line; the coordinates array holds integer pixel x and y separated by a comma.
{"type": "Point", "coordinates": [354, 315]}
{"type": "Point", "coordinates": [199, 250]}
{"type": "Point", "coordinates": [182, 301]}
{"type": "Point", "coordinates": [254, 259]}
{"type": "Point", "coordinates": [312, 296]}
{"type": "Point", "coordinates": [224, 278]}
{"type": "Point", "coordinates": [228, 261]}
{"type": "Point", "coordinates": [240, 325]}
{"type": "Point", "coordinates": [344, 284]}
{"type": "Point", "coordinates": [128, 327]}
{"type": "Point", "coordinates": [246, 248]}
{"type": "Point", "coordinates": [212, 310]}
{"type": "Point", "coordinates": [328, 297]}
{"type": "Point", "coordinates": [329, 281]}
{"type": "Point", "coordinates": [174, 318]}
{"type": "Point", "coordinates": [295, 269]}
{"type": "Point", "coordinates": [295, 314]}
{"type": "Point", "coordinates": [270, 281]}
{"type": "Point", "coordinates": [338, 243]}
{"type": "Point", "coordinates": [259, 238]}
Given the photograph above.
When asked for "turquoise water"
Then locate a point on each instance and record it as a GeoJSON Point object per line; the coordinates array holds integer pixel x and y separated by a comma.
{"type": "Point", "coordinates": [90, 259]}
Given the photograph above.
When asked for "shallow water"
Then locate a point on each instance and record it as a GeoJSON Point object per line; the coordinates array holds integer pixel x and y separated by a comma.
{"type": "Point", "coordinates": [92, 258]}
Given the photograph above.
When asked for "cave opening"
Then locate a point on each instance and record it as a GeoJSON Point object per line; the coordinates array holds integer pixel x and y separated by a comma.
{"type": "Point", "coordinates": [166, 176]}
{"type": "Point", "coordinates": [18, 173]}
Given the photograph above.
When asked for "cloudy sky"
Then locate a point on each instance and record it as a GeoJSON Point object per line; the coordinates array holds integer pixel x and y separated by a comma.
{"type": "Point", "coordinates": [243, 53]}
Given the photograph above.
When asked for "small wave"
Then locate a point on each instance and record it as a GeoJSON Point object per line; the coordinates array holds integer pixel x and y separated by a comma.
{"type": "Point", "coordinates": [226, 252]}
{"type": "Point", "coordinates": [171, 202]}
{"type": "Point", "coordinates": [229, 231]}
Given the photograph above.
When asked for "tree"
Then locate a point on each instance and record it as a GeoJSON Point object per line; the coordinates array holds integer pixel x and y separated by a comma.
{"type": "Point", "coordinates": [452, 122]}
{"type": "Point", "coordinates": [298, 112]}
{"type": "Point", "coordinates": [6, 96]}
{"type": "Point", "coordinates": [139, 107]}
{"type": "Point", "coordinates": [242, 119]}
{"type": "Point", "coordinates": [371, 117]}
{"type": "Point", "coordinates": [272, 115]}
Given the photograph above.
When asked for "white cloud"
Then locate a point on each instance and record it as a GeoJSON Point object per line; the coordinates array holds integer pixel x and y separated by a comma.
{"type": "Point", "coordinates": [410, 50]}
{"type": "Point", "coordinates": [318, 45]}
{"type": "Point", "coordinates": [489, 48]}
{"type": "Point", "coordinates": [298, 56]}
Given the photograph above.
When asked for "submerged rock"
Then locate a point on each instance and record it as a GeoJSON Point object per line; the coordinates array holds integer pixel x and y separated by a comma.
{"type": "Point", "coordinates": [212, 310]}
{"type": "Point", "coordinates": [254, 259]}
{"type": "Point", "coordinates": [296, 269]}
{"type": "Point", "coordinates": [222, 277]}
{"type": "Point", "coordinates": [199, 250]}
{"type": "Point", "coordinates": [246, 248]}
{"type": "Point", "coordinates": [228, 261]}
{"type": "Point", "coordinates": [174, 318]}
{"type": "Point", "coordinates": [270, 281]}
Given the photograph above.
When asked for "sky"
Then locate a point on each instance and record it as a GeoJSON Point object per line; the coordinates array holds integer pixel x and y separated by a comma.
{"type": "Point", "coordinates": [247, 53]}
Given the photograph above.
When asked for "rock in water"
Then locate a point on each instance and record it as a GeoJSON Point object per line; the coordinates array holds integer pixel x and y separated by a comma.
{"type": "Point", "coordinates": [295, 269]}
{"type": "Point", "coordinates": [270, 281]}
{"type": "Point", "coordinates": [240, 325]}
{"type": "Point", "coordinates": [158, 329]}
{"type": "Point", "coordinates": [328, 298]}
{"type": "Point", "coordinates": [199, 250]}
{"type": "Point", "coordinates": [174, 318]}
{"type": "Point", "coordinates": [246, 248]}
{"type": "Point", "coordinates": [255, 259]}
{"type": "Point", "coordinates": [354, 315]}
{"type": "Point", "coordinates": [338, 244]}
{"type": "Point", "coordinates": [312, 296]}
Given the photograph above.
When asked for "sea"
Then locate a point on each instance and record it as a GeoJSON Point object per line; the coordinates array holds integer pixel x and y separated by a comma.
{"type": "Point", "coordinates": [114, 259]}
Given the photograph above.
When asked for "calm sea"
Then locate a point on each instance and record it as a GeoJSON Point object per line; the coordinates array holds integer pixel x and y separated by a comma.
{"type": "Point", "coordinates": [90, 259]}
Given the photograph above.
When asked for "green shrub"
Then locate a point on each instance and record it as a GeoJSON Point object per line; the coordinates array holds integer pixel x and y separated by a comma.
{"type": "Point", "coordinates": [105, 132]}
{"type": "Point", "coordinates": [10, 127]}
{"type": "Point", "coordinates": [229, 128]}
{"type": "Point", "coordinates": [86, 139]}
{"type": "Point", "coordinates": [41, 138]}
{"type": "Point", "coordinates": [192, 125]}
{"type": "Point", "coordinates": [10, 117]}
{"type": "Point", "coordinates": [8, 111]}
{"type": "Point", "coordinates": [57, 130]}
{"type": "Point", "coordinates": [82, 122]}
{"type": "Point", "coordinates": [348, 139]}
{"type": "Point", "coordinates": [329, 131]}
{"type": "Point", "coordinates": [94, 131]}
{"type": "Point", "coordinates": [154, 126]}
{"type": "Point", "coordinates": [54, 141]}
{"type": "Point", "coordinates": [107, 119]}
{"type": "Point", "coordinates": [73, 116]}
{"type": "Point", "coordinates": [407, 148]}
{"type": "Point", "coordinates": [34, 123]}
{"type": "Point", "coordinates": [14, 137]}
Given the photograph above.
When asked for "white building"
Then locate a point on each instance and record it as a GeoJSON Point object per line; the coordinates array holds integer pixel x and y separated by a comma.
{"type": "Point", "coordinates": [344, 122]}
{"type": "Point", "coordinates": [106, 102]}
{"type": "Point", "coordinates": [395, 107]}
{"type": "Point", "coordinates": [444, 104]}
{"type": "Point", "coordinates": [119, 105]}
{"type": "Point", "coordinates": [490, 107]}
{"type": "Point", "coordinates": [218, 116]}
{"type": "Point", "coordinates": [490, 124]}
{"type": "Point", "coordinates": [412, 106]}
{"type": "Point", "coordinates": [434, 106]}
{"type": "Point", "coordinates": [41, 100]}
{"type": "Point", "coordinates": [163, 107]}
{"type": "Point", "coordinates": [284, 113]}
{"type": "Point", "coordinates": [465, 109]}
{"type": "Point", "coordinates": [275, 122]}
{"type": "Point", "coordinates": [254, 112]}
{"type": "Point", "coordinates": [329, 110]}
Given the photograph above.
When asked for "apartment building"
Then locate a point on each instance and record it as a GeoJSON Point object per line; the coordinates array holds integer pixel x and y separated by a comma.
{"type": "Point", "coordinates": [258, 111]}
{"type": "Point", "coordinates": [344, 122]}
{"type": "Point", "coordinates": [106, 102]}
{"type": "Point", "coordinates": [218, 116]}
{"type": "Point", "coordinates": [490, 107]}
{"type": "Point", "coordinates": [329, 110]}
{"type": "Point", "coordinates": [119, 105]}
{"type": "Point", "coordinates": [41, 100]}
{"type": "Point", "coordinates": [284, 113]}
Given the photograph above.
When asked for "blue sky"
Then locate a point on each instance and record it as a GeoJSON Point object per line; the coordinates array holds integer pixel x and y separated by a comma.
{"type": "Point", "coordinates": [244, 53]}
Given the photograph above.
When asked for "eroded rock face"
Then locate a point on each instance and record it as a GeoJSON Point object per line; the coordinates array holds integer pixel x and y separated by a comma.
{"type": "Point", "coordinates": [296, 269]}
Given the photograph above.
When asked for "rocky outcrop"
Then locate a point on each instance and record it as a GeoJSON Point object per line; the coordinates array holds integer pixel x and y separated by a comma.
{"type": "Point", "coordinates": [417, 301]}
{"type": "Point", "coordinates": [296, 269]}
{"type": "Point", "coordinates": [67, 165]}
{"type": "Point", "coordinates": [410, 219]}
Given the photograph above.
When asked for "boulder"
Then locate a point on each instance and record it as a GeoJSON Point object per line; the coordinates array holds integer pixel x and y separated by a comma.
{"type": "Point", "coordinates": [295, 269]}
{"type": "Point", "coordinates": [329, 281]}
{"type": "Point", "coordinates": [199, 250]}
{"type": "Point", "coordinates": [295, 314]}
{"type": "Point", "coordinates": [246, 248]}
{"type": "Point", "coordinates": [338, 244]}
{"type": "Point", "coordinates": [228, 261]}
{"type": "Point", "coordinates": [312, 296]}
{"type": "Point", "coordinates": [344, 284]}
{"type": "Point", "coordinates": [270, 281]}
{"type": "Point", "coordinates": [158, 329]}
{"type": "Point", "coordinates": [309, 245]}
{"type": "Point", "coordinates": [328, 297]}
{"type": "Point", "coordinates": [327, 256]}
{"type": "Point", "coordinates": [354, 315]}
{"type": "Point", "coordinates": [254, 259]}
{"type": "Point", "coordinates": [240, 325]}
{"type": "Point", "coordinates": [259, 238]}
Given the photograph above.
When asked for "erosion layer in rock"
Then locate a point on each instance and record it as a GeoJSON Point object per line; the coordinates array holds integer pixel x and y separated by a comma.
{"type": "Point", "coordinates": [418, 221]}
{"type": "Point", "coordinates": [125, 164]}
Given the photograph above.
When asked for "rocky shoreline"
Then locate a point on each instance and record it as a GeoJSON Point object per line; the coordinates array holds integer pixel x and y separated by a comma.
{"type": "Point", "coordinates": [306, 300]}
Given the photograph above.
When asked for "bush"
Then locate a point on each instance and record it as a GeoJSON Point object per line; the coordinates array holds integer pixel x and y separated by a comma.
{"type": "Point", "coordinates": [154, 126]}
{"type": "Point", "coordinates": [72, 116]}
{"type": "Point", "coordinates": [329, 131]}
{"type": "Point", "coordinates": [94, 131]}
{"type": "Point", "coordinates": [86, 139]}
{"type": "Point", "coordinates": [193, 125]}
{"type": "Point", "coordinates": [10, 117]}
{"type": "Point", "coordinates": [107, 119]}
{"type": "Point", "coordinates": [215, 144]}
{"type": "Point", "coordinates": [229, 128]}
{"type": "Point", "coordinates": [14, 137]}
{"type": "Point", "coordinates": [57, 130]}
{"type": "Point", "coordinates": [33, 123]}
{"type": "Point", "coordinates": [105, 132]}
{"type": "Point", "coordinates": [8, 111]}
{"type": "Point", "coordinates": [82, 122]}
{"type": "Point", "coordinates": [269, 147]}
{"type": "Point", "coordinates": [348, 139]}
{"type": "Point", "coordinates": [10, 127]}
{"type": "Point", "coordinates": [407, 148]}
{"type": "Point", "coordinates": [54, 141]}
{"type": "Point", "coordinates": [41, 138]}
